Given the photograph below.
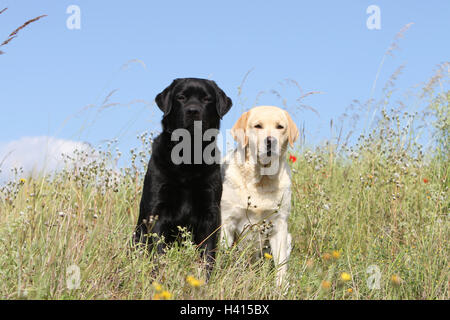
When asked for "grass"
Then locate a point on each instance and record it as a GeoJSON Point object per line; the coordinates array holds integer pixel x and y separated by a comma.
{"type": "Point", "coordinates": [369, 220]}
{"type": "Point", "coordinates": [376, 212]}
{"type": "Point", "coordinates": [14, 34]}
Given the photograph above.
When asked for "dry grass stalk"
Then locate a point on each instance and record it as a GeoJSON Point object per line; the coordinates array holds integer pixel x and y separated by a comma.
{"type": "Point", "coordinates": [15, 32]}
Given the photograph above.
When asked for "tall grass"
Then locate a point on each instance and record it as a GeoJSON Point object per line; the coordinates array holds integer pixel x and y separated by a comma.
{"type": "Point", "coordinates": [369, 220]}
{"type": "Point", "coordinates": [378, 204]}
{"type": "Point", "coordinates": [15, 33]}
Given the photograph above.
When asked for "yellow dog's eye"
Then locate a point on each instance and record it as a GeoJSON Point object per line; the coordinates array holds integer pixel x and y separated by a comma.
{"type": "Point", "coordinates": [258, 126]}
{"type": "Point", "coordinates": [280, 126]}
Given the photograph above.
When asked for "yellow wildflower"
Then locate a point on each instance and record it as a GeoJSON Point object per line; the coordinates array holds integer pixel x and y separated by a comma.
{"type": "Point", "coordinates": [157, 296]}
{"type": "Point", "coordinates": [349, 290]}
{"type": "Point", "coordinates": [194, 282]}
{"type": "Point", "coordinates": [345, 276]}
{"type": "Point", "coordinates": [336, 254]}
{"type": "Point", "coordinates": [157, 286]}
{"type": "Point", "coordinates": [268, 255]}
{"type": "Point", "coordinates": [395, 279]}
{"type": "Point", "coordinates": [166, 295]}
{"type": "Point", "coordinates": [326, 284]}
{"type": "Point", "coordinates": [22, 181]}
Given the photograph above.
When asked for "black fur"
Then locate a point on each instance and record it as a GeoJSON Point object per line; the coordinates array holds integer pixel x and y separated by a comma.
{"type": "Point", "coordinates": [186, 195]}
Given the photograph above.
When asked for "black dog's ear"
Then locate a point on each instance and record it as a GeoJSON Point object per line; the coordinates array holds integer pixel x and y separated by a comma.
{"type": "Point", "coordinates": [164, 99]}
{"type": "Point", "coordinates": [223, 103]}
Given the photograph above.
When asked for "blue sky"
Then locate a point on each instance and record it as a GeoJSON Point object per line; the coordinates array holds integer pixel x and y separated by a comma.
{"type": "Point", "coordinates": [50, 74]}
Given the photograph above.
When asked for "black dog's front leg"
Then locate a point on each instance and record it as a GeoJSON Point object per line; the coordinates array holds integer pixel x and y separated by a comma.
{"type": "Point", "coordinates": [144, 235]}
{"type": "Point", "coordinates": [210, 248]}
{"type": "Point", "coordinates": [140, 235]}
{"type": "Point", "coordinates": [159, 239]}
{"type": "Point", "coordinates": [207, 238]}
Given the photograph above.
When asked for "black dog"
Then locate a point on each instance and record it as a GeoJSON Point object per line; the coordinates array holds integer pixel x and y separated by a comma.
{"type": "Point", "coordinates": [186, 194]}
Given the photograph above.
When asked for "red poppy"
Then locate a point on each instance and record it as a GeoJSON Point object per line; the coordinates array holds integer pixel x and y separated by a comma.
{"type": "Point", "coordinates": [425, 180]}
{"type": "Point", "coordinates": [292, 158]}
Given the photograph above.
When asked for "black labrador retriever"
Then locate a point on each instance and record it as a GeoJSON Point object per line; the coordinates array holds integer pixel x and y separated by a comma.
{"type": "Point", "coordinates": [184, 194]}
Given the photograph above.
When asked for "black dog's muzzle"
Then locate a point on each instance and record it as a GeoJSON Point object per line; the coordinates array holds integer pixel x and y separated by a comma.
{"type": "Point", "coordinates": [193, 113]}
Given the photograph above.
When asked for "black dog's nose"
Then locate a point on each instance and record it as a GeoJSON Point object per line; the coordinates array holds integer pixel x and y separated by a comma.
{"type": "Point", "coordinates": [271, 140]}
{"type": "Point", "coordinates": [192, 111]}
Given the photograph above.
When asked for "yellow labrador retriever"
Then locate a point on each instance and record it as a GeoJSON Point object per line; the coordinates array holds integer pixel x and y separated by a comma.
{"type": "Point", "coordinates": [257, 182]}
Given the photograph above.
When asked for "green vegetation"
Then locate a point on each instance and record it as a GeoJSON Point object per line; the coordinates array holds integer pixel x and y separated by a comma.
{"type": "Point", "coordinates": [379, 205]}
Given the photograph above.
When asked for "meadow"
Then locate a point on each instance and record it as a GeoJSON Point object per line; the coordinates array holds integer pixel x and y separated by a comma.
{"type": "Point", "coordinates": [370, 220]}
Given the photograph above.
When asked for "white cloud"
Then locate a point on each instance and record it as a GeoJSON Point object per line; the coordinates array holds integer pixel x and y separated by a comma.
{"type": "Point", "coordinates": [36, 155]}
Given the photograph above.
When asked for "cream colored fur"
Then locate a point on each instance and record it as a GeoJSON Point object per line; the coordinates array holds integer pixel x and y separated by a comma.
{"type": "Point", "coordinates": [251, 196]}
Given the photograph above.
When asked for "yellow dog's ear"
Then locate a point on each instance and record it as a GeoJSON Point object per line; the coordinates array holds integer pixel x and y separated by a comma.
{"type": "Point", "coordinates": [292, 130]}
{"type": "Point", "coordinates": [238, 130]}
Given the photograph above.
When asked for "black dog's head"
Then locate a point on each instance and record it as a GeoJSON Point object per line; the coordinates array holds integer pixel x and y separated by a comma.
{"type": "Point", "coordinates": [190, 99]}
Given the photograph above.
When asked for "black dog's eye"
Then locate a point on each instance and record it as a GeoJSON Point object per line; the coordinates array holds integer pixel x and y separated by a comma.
{"type": "Point", "coordinates": [258, 126]}
{"type": "Point", "coordinates": [207, 99]}
{"type": "Point", "coordinates": [280, 126]}
{"type": "Point", "coordinates": [181, 97]}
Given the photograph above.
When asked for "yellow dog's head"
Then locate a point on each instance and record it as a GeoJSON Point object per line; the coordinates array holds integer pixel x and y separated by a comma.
{"type": "Point", "coordinates": [266, 130]}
